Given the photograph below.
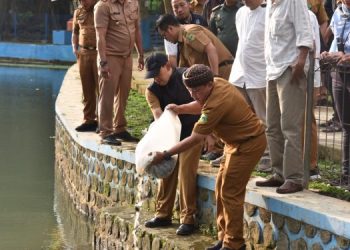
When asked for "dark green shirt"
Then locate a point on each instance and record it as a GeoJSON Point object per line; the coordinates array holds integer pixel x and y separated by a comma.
{"type": "Point", "coordinates": [223, 24]}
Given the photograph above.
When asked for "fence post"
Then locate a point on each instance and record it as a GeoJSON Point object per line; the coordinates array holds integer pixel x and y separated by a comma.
{"type": "Point", "coordinates": [308, 117]}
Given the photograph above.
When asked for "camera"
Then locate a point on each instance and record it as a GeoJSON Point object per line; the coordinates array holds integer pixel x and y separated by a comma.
{"type": "Point", "coordinates": [340, 44]}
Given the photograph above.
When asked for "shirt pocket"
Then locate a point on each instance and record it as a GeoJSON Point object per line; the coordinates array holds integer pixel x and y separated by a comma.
{"type": "Point", "coordinates": [278, 27]}
{"type": "Point", "coordinates": [116, 17]}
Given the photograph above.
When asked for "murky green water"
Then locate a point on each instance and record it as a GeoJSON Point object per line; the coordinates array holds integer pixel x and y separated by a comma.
{"type": "Point", "coordinates": [34, 212]}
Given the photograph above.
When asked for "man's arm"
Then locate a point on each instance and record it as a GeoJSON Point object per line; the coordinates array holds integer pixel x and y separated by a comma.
{"type": "Point", "coordinates": [101, 48]}
{"type": "Point", "coordinates": [212, 57]}
{"type": "Point", "coordinates": [192, 108]}
{"type": "Point", "coordinates": [138, 43]}
{"type": "Point", "coordinates": [75, 35]}
{"type": "Point", "coordinates": [182, 146]}
{"type": "Point", "coordinates": [298, 67]}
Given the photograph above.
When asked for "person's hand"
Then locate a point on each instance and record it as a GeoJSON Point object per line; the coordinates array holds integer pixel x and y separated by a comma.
{"type": "Point", "coordinates": [141, 62]}
{"type": "Point", "coordinates": [158, 158]}
{"type": "Point", "coordinates": [173, 107]}
{"type": "Point", "coordinates": [298, 69]}
{"type": "Point", "coordinates": [324, 55]}
{"type": "Point", "coordinates": [105, 72]}
{"type": "Point", "coordinates": [209, 143]}
{"type": "Point", "coordinates": [345, 59]}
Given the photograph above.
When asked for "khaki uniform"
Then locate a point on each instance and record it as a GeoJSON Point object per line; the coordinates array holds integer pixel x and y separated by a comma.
{"type": "Point", "coordinates": [83, 26]}
{"type": "Point", "coordinates": [184, 174]}
{"type": "Point", "coordinates": [317, 7]}
{"type": "Point", "coordinates": [192, 42]}
{"type": "Point", "coordinates": [227, 114]}
{"type": "Point", "coordinates": [120, 21]}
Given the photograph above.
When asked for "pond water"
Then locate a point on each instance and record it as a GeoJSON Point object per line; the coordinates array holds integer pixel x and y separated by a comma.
{"type": "Point", "coordinates": [35, 212]}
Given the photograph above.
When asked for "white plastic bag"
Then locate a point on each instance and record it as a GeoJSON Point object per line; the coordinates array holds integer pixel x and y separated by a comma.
{"type": "Point", "coordinates": [162, 135]}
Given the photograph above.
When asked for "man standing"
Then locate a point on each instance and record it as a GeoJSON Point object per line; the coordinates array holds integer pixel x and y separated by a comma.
{"type": "Point", "coordinates": [209, 5]}
{"type": "Point", "coordinates": [225, 113]}
{"type": "Point", "coordinates": [197, 45]}
{"type": "Point", "coordinates": [118, 30]}
{"type": "Point", "coordinates": [84, 48]}
{"type": "Point", "coordinates": [288, 39]}
{"type": "Point", "coordinates": [183, 14]}
{"type": "Point", "coordinates": [248, 72]}
{"type": "Point", "coordinates": [166, 89]}
{"type": "Point", "coordinates": [223, 24]}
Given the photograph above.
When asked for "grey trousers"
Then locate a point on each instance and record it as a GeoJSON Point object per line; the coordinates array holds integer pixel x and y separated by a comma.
{"type": "Point", "coordinates": [285, 116]}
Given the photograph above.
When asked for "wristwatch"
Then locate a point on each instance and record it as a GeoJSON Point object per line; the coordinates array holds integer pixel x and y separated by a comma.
{"type": "Point", "coordinates": [103, 63]}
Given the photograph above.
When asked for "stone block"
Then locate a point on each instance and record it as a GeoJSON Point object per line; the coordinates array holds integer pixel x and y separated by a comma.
{"type": "Point", "coordinates": [342, 242]}
{"type": "Point", "coordinates": [203, 195]}
{"type": "Point", "coordinates": [106, 189]}
{"type": "Point", "coordinates": [310, 231]}
{"type": "Point", "coordinates": [264, 215]}
{"type": "Point", "coordinates": [120, 164]}
{"type": "Point", "coordinates": [282, 241]}
{"type": "Point", "coordinates": [249, 209]}
{"type": "Point", "coordinates": [123, 179]}
{"type": "Point", "coordinates": [254, 232]}
{"type": "Point", "coordinates": [115, 176]}
{"type": "Point", "coordinates": [131, 180]}
{"type": "Point", "coordinates": [278, 220]}
{"type": "Point", "coordinates": [146, 242]}
{"type": "Point", "coordinates": [123, 231]}
{"type": "Point", "coordinates": [316, 246]}
{"type": "Point", "coordinates": [299, 244]}
{"type": "Point", "coordinates": [109, 174]}
{"type": "Point", "coordinates": [114, 194]}
{"type": "Point", "coordinates": [294, 226]}
{"type": "Point", "coordinates": [268, 235]}
{"type": "Point", "coordinates": [128, 165]}
{"type": "Point", "coordinates": [156, 244]}
{"type": "Point", "coordinates": [102, 172]}
{"type": "Point", "coordinates": [326, 236]}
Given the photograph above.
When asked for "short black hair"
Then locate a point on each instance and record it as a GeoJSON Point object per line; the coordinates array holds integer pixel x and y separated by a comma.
{"type": "Point", "coordinates": [164, 21]}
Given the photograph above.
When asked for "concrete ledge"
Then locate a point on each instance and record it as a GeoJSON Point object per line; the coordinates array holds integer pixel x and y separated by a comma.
{"type": "Point", "coordinates": [43, 52]}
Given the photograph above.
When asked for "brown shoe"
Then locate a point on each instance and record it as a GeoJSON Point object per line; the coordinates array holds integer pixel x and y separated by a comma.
{"type": "Point", "coordinates": [289, 187]}
{"type": "Point", "coordinates": [272, 182]}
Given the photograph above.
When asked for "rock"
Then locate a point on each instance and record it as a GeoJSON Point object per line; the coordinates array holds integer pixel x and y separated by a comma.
{"type": "Point", "coordinates": [294, 226]}
{"type": "Point", "coordinates": [250, 209]}
{"type": "Point", "coordinates": [278, 220]}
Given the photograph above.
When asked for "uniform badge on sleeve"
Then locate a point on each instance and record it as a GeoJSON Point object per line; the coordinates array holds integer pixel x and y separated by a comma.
{"type": "Point", "coordinates": [203, 118]}
{"type": "Point", "coordinates": [190, 37]}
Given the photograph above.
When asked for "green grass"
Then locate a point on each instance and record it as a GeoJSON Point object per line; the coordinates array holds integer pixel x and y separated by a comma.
{"type": "Point", "coordinates": [138, 114]}
{"type": "Point", "coordinates": [328, 190]}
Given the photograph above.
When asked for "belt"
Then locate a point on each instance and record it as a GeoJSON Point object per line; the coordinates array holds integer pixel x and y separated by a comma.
{"type": "Point", "coordinates": [87, 47]}
{"type": "Point", "coordinates": [226, 62]}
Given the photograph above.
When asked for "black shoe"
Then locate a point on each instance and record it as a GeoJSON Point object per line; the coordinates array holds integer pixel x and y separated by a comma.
{"type": "Point", "coordinates": [289, 187]}
{"type": "Point", "coordinates": [125, 136]}
{"type": "Point", "coordinates": [314, 174]}
{"type": "Point", "coordinates": [272, 182]}
{"type": "Point", "coordinates": [216, 247]}
{"type": "Point", "coordinates": [111, 140]}
{"type": "Point", "coordinates": [87, 127]}
{"type": "Point", "coordinates": [158, 222]}
{"type": "Point", "coordinates": [185, 229]}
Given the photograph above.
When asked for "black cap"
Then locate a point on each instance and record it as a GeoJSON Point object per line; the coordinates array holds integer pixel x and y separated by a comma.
{"type": "Point", "coordinates": [153, 64]}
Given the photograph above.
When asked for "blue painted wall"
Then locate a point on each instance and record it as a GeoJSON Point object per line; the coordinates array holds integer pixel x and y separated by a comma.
{"type": "Point", "coordinates": [45, 52]}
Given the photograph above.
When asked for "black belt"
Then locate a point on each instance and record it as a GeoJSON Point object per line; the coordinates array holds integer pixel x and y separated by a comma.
{"type": "Point", "coordinates": [226, 62]}
{"type": "Point", "coordinates": [87, 47]}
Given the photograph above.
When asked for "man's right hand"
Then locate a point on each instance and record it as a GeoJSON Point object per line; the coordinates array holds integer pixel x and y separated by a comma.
{"type": "Point", "coordinates": [105, 72]}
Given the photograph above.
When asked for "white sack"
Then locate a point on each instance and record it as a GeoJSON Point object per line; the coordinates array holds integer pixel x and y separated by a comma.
{"type": "Point", "coordinates": [162, 134]}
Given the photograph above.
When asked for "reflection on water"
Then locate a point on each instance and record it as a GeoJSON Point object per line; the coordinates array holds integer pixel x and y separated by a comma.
{"type": "Point", "coordinates": [27, 217]}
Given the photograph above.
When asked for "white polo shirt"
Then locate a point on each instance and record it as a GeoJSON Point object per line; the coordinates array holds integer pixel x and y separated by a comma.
{"type": "Point", "coordinates": [287, 27]}
{"type": "Point", "coordinates": [249, 67]}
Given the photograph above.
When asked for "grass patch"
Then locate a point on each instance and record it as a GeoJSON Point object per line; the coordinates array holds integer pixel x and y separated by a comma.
{"type": "Point", "coordinates": [328, 190]}
{"type": "Point", "coordinates": [138, 114]}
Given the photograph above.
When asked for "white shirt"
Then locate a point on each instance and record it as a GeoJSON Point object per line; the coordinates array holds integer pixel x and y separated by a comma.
{"type": "Point", "coordinates": [287, 27]}
{"type": "Point", "coordinates": [316, 35]}
{"type": "Point", "coordinates": [249, 67]}
{"type": "Point", "coordinates": [170, 48]}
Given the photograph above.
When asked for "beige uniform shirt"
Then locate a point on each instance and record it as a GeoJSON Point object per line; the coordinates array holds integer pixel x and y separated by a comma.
{"type": "Point", "coordinates": [193, 39]}
{"type": "Point", "coordinates": [83, 26]}
{"type": "Point", "coordinates": [227, 114]}
{"type": "Point", "coordinates": [120, 21]}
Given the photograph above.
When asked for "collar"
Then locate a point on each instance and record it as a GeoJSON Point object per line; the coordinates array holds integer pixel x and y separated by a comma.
{"type": "Point", "coordinates": [345, 10]}
{"type": "Point", "coordinates": [188, 20]}
{"type": "Point", "coordinates": [181, 34]}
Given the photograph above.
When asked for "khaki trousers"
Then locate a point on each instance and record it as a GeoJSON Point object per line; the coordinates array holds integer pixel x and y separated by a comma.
{"type": "Point", "coordinates": [231, 182]}
{"type": "Point", "coordinates": [186, 172]}
{"type": "Point", "coordinates": [87, 63]}
{"type": "Point", "coordinates": [114, 94]}
{"type": "Point", "coordinates": [285, 116]}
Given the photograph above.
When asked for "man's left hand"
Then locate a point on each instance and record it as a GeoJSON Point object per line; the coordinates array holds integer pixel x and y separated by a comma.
{"type": "Point", "coordinates": [158, 158]}
{"type": "Point", "coordinates": [141, 62]}
{"type": "Point", "coordinates": [298, 70]}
